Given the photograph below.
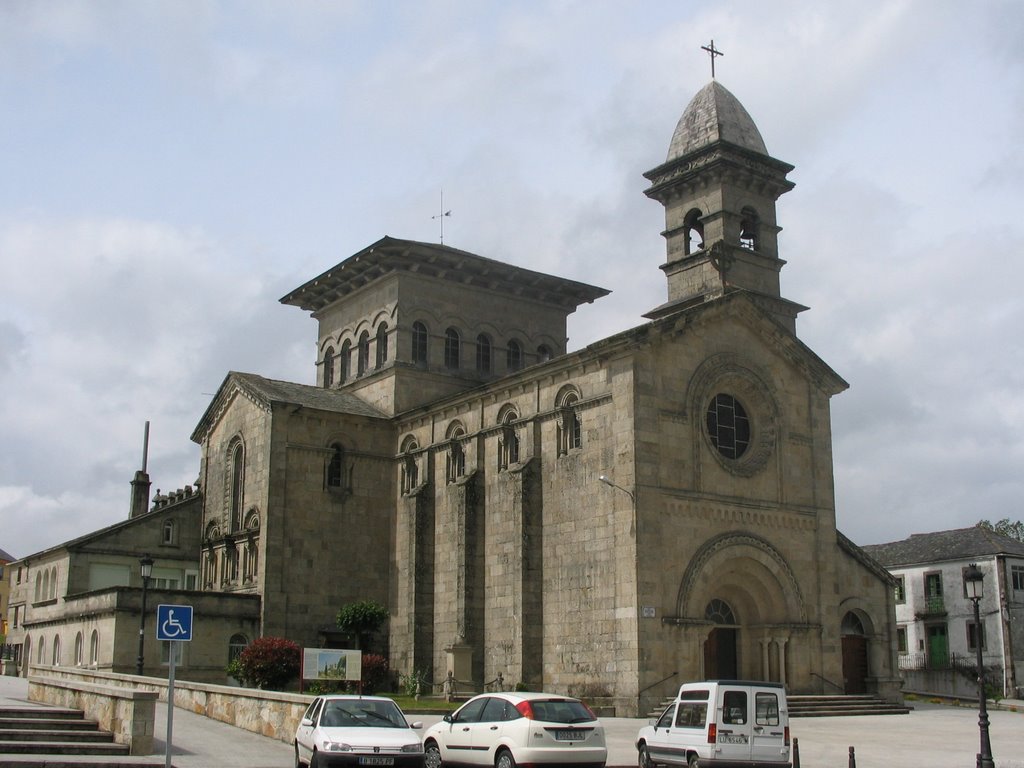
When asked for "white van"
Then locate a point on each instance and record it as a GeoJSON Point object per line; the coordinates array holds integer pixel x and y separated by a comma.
{"type": "Point", "coordinates": [722, 723]}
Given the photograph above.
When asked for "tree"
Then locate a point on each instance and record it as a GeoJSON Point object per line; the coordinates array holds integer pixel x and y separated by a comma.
{"type": "Point", "coordinates": [269, 663]}
{"type": "Point", "coordinates": [1013, 530]}
{"type": "Point", "coordinates": [361, 618]}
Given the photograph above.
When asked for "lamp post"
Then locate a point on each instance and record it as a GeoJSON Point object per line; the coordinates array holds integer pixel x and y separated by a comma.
{"type": "Point", "coordinates": [974, 581]}
{"type": "Point", "coordinates": [146, 569]}
{"type": "Point", "coordinates": [610, 483]}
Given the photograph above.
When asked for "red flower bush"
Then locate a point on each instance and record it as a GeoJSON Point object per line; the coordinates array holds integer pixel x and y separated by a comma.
{"type": "Point", "coordinates": [270, 662]}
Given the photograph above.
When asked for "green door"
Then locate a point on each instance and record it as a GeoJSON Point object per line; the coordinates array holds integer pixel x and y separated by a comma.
{"type": "Point", "coordinates": [938, 647]}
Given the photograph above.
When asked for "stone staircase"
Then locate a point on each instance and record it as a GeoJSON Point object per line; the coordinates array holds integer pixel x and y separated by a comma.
{"type": "Point", "coordinates": [842, 706]}
{"type": "Point", "coordinates": [53, 736]}
{"type": "Point", "coordinates": [824, 706]}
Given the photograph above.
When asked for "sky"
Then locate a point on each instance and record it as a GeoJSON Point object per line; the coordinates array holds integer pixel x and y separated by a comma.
{"type": "Point", "coordinates": [170, 170]}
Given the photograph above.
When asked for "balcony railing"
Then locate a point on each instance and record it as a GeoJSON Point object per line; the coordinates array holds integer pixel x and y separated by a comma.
{"type": "Point", "coordinates": [934, 604]}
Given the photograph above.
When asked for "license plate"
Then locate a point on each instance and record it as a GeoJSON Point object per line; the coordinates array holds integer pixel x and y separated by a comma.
{"type": "Point", "coordinates": [570, 736]}
{"type": "Point", "coordinates": [728, 738]}
{"type": "Point", "coordinates": [376, 761]}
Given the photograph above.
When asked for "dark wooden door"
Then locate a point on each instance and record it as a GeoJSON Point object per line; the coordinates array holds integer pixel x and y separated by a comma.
{"type": "Point", "coordinates": [855, 664]}
{"type": "Point", "coordinates": [720, 659]}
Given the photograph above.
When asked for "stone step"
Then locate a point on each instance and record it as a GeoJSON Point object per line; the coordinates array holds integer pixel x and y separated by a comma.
{"type": "Point", "coordinates": [93, 736]}
{"type": "Point", "coordinates": [61, 748]}
{"type": "Point", "coordinates": [45, 713]}
{"type": "Point", "coordinates": [39, 724]}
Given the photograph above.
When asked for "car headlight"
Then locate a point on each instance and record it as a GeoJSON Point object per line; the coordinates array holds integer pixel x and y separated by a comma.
{"type": "Point", "coordinates": [416, 748]}
{"type": "Point", "coordinates": [337, 746]}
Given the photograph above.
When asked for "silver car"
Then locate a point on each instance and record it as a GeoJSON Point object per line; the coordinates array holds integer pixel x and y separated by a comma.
{"type": "Point", "coordinates": [357, 731]}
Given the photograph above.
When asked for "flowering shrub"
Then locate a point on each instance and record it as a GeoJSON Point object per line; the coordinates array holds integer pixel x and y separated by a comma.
{"type": "Point", "coordinates": [270, 662]}
{"type": "Point", "coordinates": [376, 674]}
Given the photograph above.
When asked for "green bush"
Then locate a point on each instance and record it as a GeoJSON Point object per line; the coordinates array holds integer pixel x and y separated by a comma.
{"type": "Point", "coordinates": [362, 618]}
{"type": "Point", "coordinates": [270, 663]}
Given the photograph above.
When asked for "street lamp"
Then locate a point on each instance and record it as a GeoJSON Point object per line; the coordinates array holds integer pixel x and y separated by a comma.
{"type": "Point", "coordinates": [610, 483]}
{"type": "Point", "coordinates": [146, 568]}
{"type": "Point", "coordinates": [974, 582]}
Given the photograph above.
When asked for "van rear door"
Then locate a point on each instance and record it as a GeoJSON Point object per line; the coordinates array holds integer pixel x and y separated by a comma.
{"type": "Point", "coordinates": [768, 739]}
{"type": "Point", "coordinates": [734, 728]}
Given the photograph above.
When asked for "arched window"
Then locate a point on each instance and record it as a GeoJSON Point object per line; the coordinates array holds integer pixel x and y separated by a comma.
{"type": "Point", "coordinates": [79, 643]}
{"type": "Point", "coordinates": [170, 532]}
{"type": "Point", "coordinates": [748, 228]}
{"type": "Point", "coordinates": [346, 361]}
{"type": "Point", "coordinates": [236, 645]}
{"type": "Point", "coordinates": [336, 467]}
{"type": "Point", "coordinates": [455, 462]}
{"type": "Point", "coordinates": [514, 356]}
{"type": "Point", "coordinates": [329, 367]}
{"type": "Point", "coordinates": [719, 612]}
{"type": "Point", "coordinates": [419, 343]}
{"type": "Point", "coordinates": [693, 232]}
{"type": "Point", "coordinates": [94, 649]}
{"type": "Point", "coordinates": [41, 651]}
{"type": "Point", "coordinates": [364, 352]}
{"type": "Point", "coordinates": [483, 355]}
{"type": "Point", "coordinates": [45, 594]}
{"type": "Point", "coordinates": [53, 583]}
{"type": "Point", "coordinates": [56, 650]}
{"type": "Point", "coordinates": [570, 431]}
{"type": "Point", "coordinates": [410, 470]}
{"type": "Point", "coordinates": [452, 342]}
{"type": "Point", "coordinates": [508, 443]}
{"type": "Point", "coordinates": [382, 345]}
{"type": "Point", "coordinates": [237, 483]}
{"type": "Point", "coordinates": [544, 353]}
{"type": "Point", "coordinates": [38, 595]}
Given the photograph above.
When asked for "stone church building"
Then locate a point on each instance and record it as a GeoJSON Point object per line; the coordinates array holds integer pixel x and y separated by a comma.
{"type": "Point", "coordinates": [653, 508]}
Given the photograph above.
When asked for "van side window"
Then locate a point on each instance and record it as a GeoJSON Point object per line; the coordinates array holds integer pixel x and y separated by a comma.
{"type": "Point", "coordinates": [691, 714]}
{"type": "Point", "coordinates": [734, 708]}
{"type": "Point", "coordinates": [766, 708]}
{"type": "Point", "coordinates": [665, 721]}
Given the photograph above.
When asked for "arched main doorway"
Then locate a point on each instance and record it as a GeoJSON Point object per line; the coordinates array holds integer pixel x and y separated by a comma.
{"type": "Point", "coordinates": [721, 660]}
{"type": "Point", "coordinates": [855, 654]}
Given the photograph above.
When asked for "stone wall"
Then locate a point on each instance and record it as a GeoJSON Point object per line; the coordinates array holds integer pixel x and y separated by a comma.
{"type": "Point", "coordinates": [127, 714]}
{"type": "Point", "coordinates": [268, 713]}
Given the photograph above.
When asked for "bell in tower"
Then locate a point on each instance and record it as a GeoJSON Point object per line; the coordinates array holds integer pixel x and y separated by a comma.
{"type": "Point", "coordinates": [719, 186]}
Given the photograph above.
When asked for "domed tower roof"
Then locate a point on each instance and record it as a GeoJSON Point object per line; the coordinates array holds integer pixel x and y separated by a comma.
{"type": "Point", "coordinates": [714, 114]}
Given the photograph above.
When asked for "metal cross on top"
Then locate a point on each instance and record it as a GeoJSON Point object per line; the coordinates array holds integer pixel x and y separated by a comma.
{"type": "Point", "coordinates": [712, 51]}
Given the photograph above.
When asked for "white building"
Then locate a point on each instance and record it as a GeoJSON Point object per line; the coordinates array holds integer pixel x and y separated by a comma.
{"type": "Point", "coordinates": [935, 627]}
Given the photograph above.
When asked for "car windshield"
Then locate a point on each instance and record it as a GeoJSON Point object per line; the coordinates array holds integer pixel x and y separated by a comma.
{"type": "Point", "coordinates": [561, 711]}
{"type": "Point", "coordinates": [362, 713]}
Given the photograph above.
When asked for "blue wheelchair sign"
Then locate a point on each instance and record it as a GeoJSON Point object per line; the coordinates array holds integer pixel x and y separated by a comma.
{"type": "Point", "coordinates": [174, 622]}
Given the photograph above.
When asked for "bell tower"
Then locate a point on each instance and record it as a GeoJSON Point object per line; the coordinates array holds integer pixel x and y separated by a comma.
{"type": "Point", "coordinates": [719, 186]}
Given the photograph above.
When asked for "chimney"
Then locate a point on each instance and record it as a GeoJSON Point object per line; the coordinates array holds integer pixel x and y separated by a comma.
{"type": "Point", "coordinates": [141, 484]}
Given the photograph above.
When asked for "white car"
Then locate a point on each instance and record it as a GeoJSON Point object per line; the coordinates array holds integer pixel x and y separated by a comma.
{"type": "Point", "coordinates": [503, 729]}
{"type": "Point", "coordinates": [357, 731]}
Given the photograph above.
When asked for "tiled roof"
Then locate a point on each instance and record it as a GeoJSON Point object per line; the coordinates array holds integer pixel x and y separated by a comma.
{"type": "Point", "coordinates": [958, 544]}
{"type": "Point", "coordinates": [274, 391]}
{"type": "Point", "coordinates": [6, 556]}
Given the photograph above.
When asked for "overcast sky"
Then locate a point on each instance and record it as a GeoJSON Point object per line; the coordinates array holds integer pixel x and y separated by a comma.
{"type": "Point", "coordinates": [171, 169]}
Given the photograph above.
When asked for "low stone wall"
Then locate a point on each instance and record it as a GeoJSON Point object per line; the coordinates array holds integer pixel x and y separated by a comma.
{"type": "Point", "coordinates": [127, 714]}
{"type": "Point", "coordinates": [268, 713]}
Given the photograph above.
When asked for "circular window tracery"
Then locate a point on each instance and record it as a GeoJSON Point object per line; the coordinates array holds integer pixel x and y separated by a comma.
{"type": "Point", "coordinates": [728, 426]}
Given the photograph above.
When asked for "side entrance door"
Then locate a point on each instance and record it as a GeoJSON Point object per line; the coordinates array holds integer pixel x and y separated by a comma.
{"type": "Point", "coordinates": [855, 663]}
{"type": "Point", "coordinates": [938, 647]}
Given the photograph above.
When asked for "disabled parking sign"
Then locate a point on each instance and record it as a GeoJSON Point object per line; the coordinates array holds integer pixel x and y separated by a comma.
{"type": "Point", "coordinates": [174, 622]}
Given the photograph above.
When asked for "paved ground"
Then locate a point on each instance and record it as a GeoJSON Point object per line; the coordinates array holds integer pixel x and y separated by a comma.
{"type": "Point", "coordinates": [936, 736]}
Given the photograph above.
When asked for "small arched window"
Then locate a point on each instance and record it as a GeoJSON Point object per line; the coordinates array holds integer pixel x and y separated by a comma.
{"type": "Point", "coordinates": [236, 645]}
{"type": "Point", "coordinates": [53, 583]}
{"type": "Point", "coordinates": [508, 442]}
{"type": "Point", "coordinates": [544, 353]}
{"type": "Point", "coordinates": [455, 462]}
{"type": "Point", "coordinates": [410, 469]}
{"type": "Point", "coordinates": [38, 595]}
{"type": "Point", "coordinates": [419, 343]}
{"type": "Point", "coordinates": [41, 651]}
{"type": "Point", "coordinates": [483, 355]}
{"type": "Point", "coordinates": [329, 367]}
{"type": "Point", "coordinates": [452, 344]}
{"type": "Point", "coordinates": [170, 532]}
{"type": "Point", "coordinates": [346, 361]}
{"type": "Point", "coordinates": [719, 612]}
{"type": "Point", "coordinates": [336, 467]}
{"type": "Point", "coordinates": [237, 485]}
{"type": "Point", "coordinates": [56, 650]}
{"type": "Point", "coordinates": [79, 649]}
{"type": "Point", "coordinates": [364, 352]}
{"type": "Point", "coordinates": [514, 356]}
{"type": "Point", "coordinates": [693, 232]}
{"type": "Point", "coordinates": [570, 430]}
{"type": "Point", "coordinates": [748, 228]}
{"type": "Point", "coordinates": [382, 345]}
{"type": "Point", "coordinates": [94, 648]}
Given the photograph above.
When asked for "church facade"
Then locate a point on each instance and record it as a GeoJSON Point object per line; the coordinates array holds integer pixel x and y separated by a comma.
{"type": "Point", "coordinates": [607, 522]}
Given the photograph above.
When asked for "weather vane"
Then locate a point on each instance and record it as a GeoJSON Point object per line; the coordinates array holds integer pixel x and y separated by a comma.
{"type": "Point", "coordinates": [712, 51]}
{"type": "Point", "coordinates": [441, 216]}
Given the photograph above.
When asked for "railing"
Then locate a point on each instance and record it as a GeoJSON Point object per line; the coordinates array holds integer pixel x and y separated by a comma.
{"type": "Point", "coordinates": [10, 652]}
{"type": "Point", "coordinates": [652, 685]}
{"type": "Point", "coordinates": [825, 679]}
{"type": "Point", "coordinates": [934, 604]}
{"type": "Point", "coordinates": [921, 661]}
